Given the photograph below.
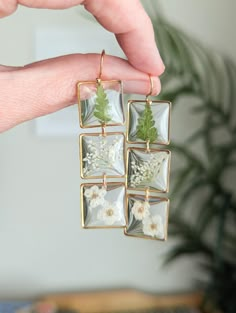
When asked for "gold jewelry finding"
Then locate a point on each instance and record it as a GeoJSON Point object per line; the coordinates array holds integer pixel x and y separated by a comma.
{"type": "Point", "coordinates": [101, 65]}
{"type": "Point", "coordinates": [147, 194]}
{"type": "Point", "coordinates": [104, 182]}
{"type": "Point", "coordinates": [151, 87]}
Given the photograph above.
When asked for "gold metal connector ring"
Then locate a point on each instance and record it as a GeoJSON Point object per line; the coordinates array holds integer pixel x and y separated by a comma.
{"type": "Point", "coordinates": [148, 146]}
{"type": "Point", "coordinates": [147, 194]}
{"type": "Point", "coordinates": [104, 181]}
{"type": "Point", "coordinates": [104, 130]}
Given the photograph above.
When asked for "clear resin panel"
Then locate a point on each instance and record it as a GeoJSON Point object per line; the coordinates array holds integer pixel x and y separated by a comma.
{"type": "Point", "coordinates": [148, 169]}
{"type": "Point", "coordinates": [102, 155]}
{"type": "Point", "coordinates": [160, 115]}
{"type": "Point", "coordinates": [101, 104]}
{"type": "Point", "coordinates": [147, 218]}
{"type": "Point", "coordinates": [103, 206]}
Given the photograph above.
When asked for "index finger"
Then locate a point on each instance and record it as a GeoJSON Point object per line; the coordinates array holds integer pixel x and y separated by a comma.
{"type": "Point", "coordinates": [133, 29]}
{"type": "Point", "coordinates": [126, 19]}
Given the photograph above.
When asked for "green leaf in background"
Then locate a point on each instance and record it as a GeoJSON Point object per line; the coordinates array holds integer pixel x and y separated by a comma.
{"type": "Point", "coordinates": [146, 129]}
{"type": "Point", "coordinates": [102, 106]}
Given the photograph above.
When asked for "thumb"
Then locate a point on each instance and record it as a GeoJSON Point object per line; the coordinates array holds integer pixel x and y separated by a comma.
{"type": "Point", "coordinates": [47, 86]}
{"type": "Point", "coordinates": [4, 68]}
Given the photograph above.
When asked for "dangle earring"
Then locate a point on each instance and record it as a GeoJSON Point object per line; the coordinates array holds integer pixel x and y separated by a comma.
{"type": "Point", "coordinates": [126, 195]}
{"type": "Point", "coordinates": [102, 154]}
{"type": "Point", "coordinates": [147, 167]}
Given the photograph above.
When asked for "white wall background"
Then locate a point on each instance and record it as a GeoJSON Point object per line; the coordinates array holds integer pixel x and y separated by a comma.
{"type": "Point", "coordinates": [42, 246]}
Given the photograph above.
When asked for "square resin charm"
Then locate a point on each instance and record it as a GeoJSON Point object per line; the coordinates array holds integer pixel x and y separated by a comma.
{"type": "Point", "coordinates": [103, 206]}
{"type": "Point", "coordinates": [148, 122]}
{"type": "Point", "coordinates": [102, 103]}
{"type": "Point", "coordinates": [147, 218]}
{"type": "Point", "coordinates": [102, 154]}
{"type": "Point", "coordinates": [148, 169]}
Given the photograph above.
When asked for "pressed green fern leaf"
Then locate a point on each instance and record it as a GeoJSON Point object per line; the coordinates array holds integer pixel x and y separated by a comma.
{"type": "Point", "coordinates": [146, 130]}
{"type": "Point", "coordinates": [102, 106]}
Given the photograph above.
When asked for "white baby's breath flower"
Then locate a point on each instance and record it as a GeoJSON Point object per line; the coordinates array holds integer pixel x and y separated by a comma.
{"type": "Point", "coordinates": [95, 195]}
{"type": "Point", "coordinates": [102, 154]}
{"type": "Point", "coordinates": [146, 170]}
{"type": "Point", "coordinates": [140, 209]}
{"type": "Point", "coordinates": [111, 154]}
{"type": "Point", "coordinates": [110, 213]}
{"type": "Point", "coordinates": [153, 226]}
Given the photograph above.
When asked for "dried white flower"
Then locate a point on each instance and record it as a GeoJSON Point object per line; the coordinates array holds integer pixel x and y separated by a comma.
{"type": "Point", "coordinates": [95, 195]}
{"type": "Point", "coordinates": [140, 209]}
{"type": "Point", "coordinates": [111, 154]}
{"type": "Point", "coordinates": [102, 154]}
{"type": "Point", "coordinates": [153, 226]}
{"type": "Point", "coordinates": [146, 171]}
{"type": "Point", "coordinates": [110, 213]}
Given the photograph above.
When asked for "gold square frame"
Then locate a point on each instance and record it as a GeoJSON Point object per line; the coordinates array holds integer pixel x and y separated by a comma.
{"type": "Point", "coordinates": [148, 151]}
{"type": "Point", "coordinates": [143, 197]}
{"type": "Point", "coordinates": [94, 83]}
{"type": "Point", "coordinates": [152, 102]}
{"type": "Point", "coordinates": [81, 154]}
{"type": "Point", "coordinates": [116, 184]}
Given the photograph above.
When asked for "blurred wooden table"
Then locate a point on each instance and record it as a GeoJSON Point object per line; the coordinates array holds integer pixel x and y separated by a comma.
{"type": "Point", "coordinates": [127, 300]}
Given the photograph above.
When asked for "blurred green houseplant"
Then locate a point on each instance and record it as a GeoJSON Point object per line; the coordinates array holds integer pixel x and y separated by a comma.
{"type": "Point", "coordinates": [208, 81]}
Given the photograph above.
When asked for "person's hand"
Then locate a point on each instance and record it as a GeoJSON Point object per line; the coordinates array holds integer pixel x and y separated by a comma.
{"type": "Point", "coordinates": [47, 86]}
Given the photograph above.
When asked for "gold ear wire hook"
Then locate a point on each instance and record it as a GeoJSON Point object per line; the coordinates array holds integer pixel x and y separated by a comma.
{"type": "Point", "coordinates": [101, 66]}
{"type": "Point", "coordinates": [151, 88]}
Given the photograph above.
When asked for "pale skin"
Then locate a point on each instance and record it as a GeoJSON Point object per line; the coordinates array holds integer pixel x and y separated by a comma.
{"type": "Point", "coordinates": [24, 95]}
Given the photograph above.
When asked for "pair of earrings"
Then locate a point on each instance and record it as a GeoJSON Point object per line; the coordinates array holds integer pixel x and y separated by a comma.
{"type": "Point", "coordinates": [123, 178]}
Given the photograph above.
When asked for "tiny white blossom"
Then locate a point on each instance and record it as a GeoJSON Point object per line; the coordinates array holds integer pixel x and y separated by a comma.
{"type": "Point", "coordinates": [153, 226]}
{"type": "Point", "coordinates": [146, 171]}
{"type": "Point", "coordinates": [110, 213]}
{"type": "Point", "coordinates": [95, 195]}
{"type": "Point", "coordinates": [102, 154]}
{"type": "Point", "coordinates": [140, 210]}
{"type": "Point", "coordinates": [112, 154]}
